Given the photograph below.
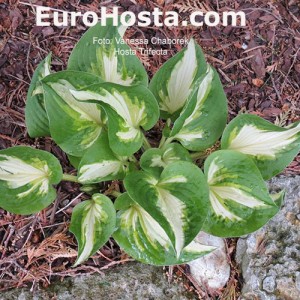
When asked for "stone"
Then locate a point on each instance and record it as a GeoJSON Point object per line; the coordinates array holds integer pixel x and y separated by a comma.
{"type": "Point", "coordinates": [211, 271]}
{"type": "Point", "coordinates": [298, 280]}
{"type": "Point", "coordinates": [269, 258]}
{"type": "Point", "coordinates": [131, 281]}
{"type": "Point", "coordinates": [269, 284]}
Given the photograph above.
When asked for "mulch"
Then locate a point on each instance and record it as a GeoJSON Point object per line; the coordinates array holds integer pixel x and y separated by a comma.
{"type": "Point", "coordinates": [259, 66]}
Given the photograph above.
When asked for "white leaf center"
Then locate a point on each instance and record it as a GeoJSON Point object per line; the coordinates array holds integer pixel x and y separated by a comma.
{"type": "Point", "coordinates": [254, 141]}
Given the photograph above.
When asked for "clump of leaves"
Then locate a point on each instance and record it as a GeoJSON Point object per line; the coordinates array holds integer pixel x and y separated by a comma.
{"type": "Point", "coordinates": [98, 111]}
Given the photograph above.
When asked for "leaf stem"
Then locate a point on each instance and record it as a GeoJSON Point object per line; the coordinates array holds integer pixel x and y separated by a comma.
{"type": "Point", "coordinates": [115, 194]}
{"type": "Point", "coordinates": [163, 138]}
{"type": "Point", "coordinates": [146, 144]}
{"type": "Point", "coordinates": [67, 177]}
{"type": "Point", "coordinates": [132, 158]}
{"type": "Point", "coordinates": [162, 141]}
{"type": "Point", "coordinates": [165, 142]}
{"type": "Point", "coordinates": [198, 155]}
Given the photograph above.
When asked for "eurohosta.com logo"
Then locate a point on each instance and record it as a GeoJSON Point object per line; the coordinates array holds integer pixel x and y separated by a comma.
{"type": "Point", "coordinates": [156, 17]}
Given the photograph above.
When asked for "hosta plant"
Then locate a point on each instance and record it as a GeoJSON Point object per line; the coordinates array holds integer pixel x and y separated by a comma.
{"type": "Point", "coordinates": [202, 175]}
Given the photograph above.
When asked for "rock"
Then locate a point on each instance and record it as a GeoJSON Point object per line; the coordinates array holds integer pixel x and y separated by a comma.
{"type": "Point", "coordinates": [269, 284]}
{"type": "Point", "coordinates": [270, 257]}
{"type": "Point", "coordinates": [211, 271]}
{"type": "Point", "coordinates": [126, 282]}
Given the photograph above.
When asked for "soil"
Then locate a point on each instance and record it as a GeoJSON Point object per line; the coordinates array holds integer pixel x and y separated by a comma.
{"type": "Point", "coordinates": [259, 65]}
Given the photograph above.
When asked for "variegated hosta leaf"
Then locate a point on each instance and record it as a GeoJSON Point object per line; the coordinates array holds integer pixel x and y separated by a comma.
{"type": "Point", "coordinates": [155, 160]}
{"type": "Point", "coordinates": [143, 238]}
{"type": "Point", "coordinates": [239, 198]}
{"type": "Point", "coordinates": [173, 83]}
{"type": "Point", "coordinates": [26, 179]}
{"type": "Point", "coordinates": [128, 109]}
{"type": "Point", "coordinates": [178, 200]}
{"type": "Point", "coordinates": [92, 223]}
{"type": "Point", "coordinates": [272, 147]}
{"type": "Point", "coordinates": [36, 118]}
{"type": "Point", "coordinates": [203, 119]}
{"type": "Point", "coordinates": [99, 163]}
{"type": "Point", "coordinates": [74, 125]}
{"type": "Point", "coordinates": [106, 59]}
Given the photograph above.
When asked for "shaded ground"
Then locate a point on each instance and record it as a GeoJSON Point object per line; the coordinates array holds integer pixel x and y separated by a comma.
{"type": "Point", "coordinates": [259, 66]}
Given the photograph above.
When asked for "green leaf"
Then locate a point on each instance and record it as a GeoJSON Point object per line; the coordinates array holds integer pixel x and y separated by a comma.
{"type": "Point", "coordinates": [272, 147]}
{"type": "Point", "coordinates": [143, 238]}
{"type": "Point", "coordinates": [173, 83]}
{"type": "Point", "coordinates": [178, 200]}
{"type": "Point", "coordinates": [128, 108]}
{"type": "Point", "coordinates": [74, 161]}
{"type": "Point", "coordinates": [278, 198]}
{"type": "Point", "coordinates": [26, 179]}
{"type": "Point", "coordinates": [106, 59]}
{"type": "Point", "coordinates": [239, 198]}
{"type": "Point", "coordinates": [99, 163]}
{"type": "Point", "coordinates": [155, 160]}
{"type": "Point", "coordinates": [123, 202]}
{"type": "Point", "coordinates": [74, 125]}
{"type": "Point", "coordinates": [204, 117]}
{"type": "Point", "coordinates": [36, 118]}
{"type": "Point", "coordinates": [92, 223]}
